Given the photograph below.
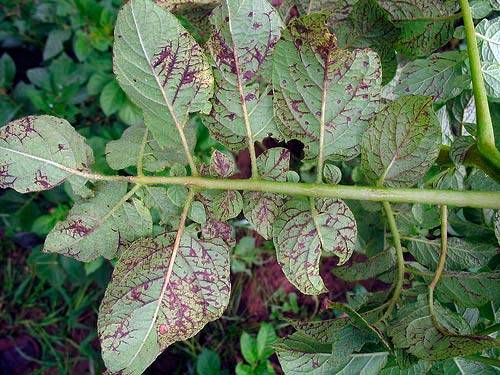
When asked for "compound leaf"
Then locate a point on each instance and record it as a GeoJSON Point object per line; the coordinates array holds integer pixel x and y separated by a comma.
{"type": "Point", "coordinates": [401, 143]}
{"type": "Point", "coordinates": [261, 209]}
{"type": "Point", "coordinates": [161, 68]}
{"type": "Point", "coordinates": [414, 330]}
{"type": "Point", "coordinates": [124, 152]}
{"type": "Point", "coordinates": [439, 76]}
{"type": "Point", "coordinates": [306, 228]}
{"type": "Point", "coordinates": [425, 25]}
{"type": "Point", "coordinates": [319, 86]}
{"type": "Point", "coordinates": [462, 254]}
{"type": "Point", "coordinates": [241, 46]}
{"type": "Point", "coordinates": [101, 225]}
{"type": "Point", "coordinates": [40, 152]}
{"type": "Point", "coordinates": [143, 312]}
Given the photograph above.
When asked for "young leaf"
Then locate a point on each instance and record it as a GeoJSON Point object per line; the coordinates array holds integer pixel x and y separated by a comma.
{"type": "Point", "coordinates": [414, 331]}
{"type": "Point", "coordinates": [261, 209]}
{"type": "Point", "coordinates": [372, 267]}
{"type": "Point", "coordinates": [161, 68]}
{"type": "Point", "coordinates": [101, 225]}
{"type": "Point", "coordinates": [241, 45]}
{"type": "Point", "coordinates": [304, 230]}
{"type": "Point", "coordinates": [324, 95]}
{"type": "Point", "coordinates": [266, 337]}
{"type": "Point", "coordinates": [40, 152]}
{"type": "Point", "coordinates": [439, 76]}
{"type": "Point", "coordinates": [425, 25]}
{"type": "Point", "coordinates": [461, 255]}
{"type": "Point", "coordinates": [401, 143]}
{"type": "Point", "coordinates": [141, 315]}
{"type": "Point", "coordinates": [124, 152]}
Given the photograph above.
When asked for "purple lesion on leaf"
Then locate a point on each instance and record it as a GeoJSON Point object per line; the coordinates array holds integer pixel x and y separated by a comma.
{"type": "Point", "coordinates": [60, 147]}
{"type": "Point", "coordinates": [20, 129]}
{"type": "Point", "coordinates": [118, 336]}
{"type": "Point", "coordinates": [224, 55]}
{"type": "Point", "coordinates": [77, 229]}
{"type": "Point", "coordinates": [6, 180]}
{"type": "Point", "coordinates": [42, 180]}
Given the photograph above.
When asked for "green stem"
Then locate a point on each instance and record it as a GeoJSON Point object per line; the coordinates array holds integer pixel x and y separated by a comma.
{"type": "Point", "coordinates": [486, 136]}
{"type": "Point", "coordinates": [439, 268]}
{"type": "Point", "coordinates": [396, 239]}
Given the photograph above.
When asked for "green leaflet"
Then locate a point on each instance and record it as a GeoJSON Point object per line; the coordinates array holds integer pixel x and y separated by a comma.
{"type": "Point", "coordinates": [142, 313]}
{"type": "Point", "coordinates": [332, 174]}
{"type": "Point", "coordinates": [462, 254]}
{"type": "Point", "coordinates": [372, 267]}
{"type": "Point", "coordinates": [319, 86]}
{"type": "Point", "coordinates": [157, 200]}
{"type": "Point", "coordinates": [306, 229]}
{"type": "Point", "coordinates": [40, 152]}
{"type": "Point", "coordinates": [101, 225]}
{"type": "Point", "coordinates": [401, 143]}
{"type": "Point", "coordinates": [161, 68]}
{"type": "Point", "coordinates": [425, 25]}
{"type": "Point", "coordinates": [241, 46]}
{"type": "Point", "coordinates": [491, 75]}
{"type": "Point", "coordinates": [462, 366]}
{"type": "Point", "coordinates": [413, 330]}
{"type": "Point", "coordinates": [439, 76]}
{"type": "Point", "coordinates": [125, 151]}
{"type": "Point", "coordinates": [488, 33]}
{"type": "Point", "coordinates": [419, 368]}
{"type": "Point", "coordinates": [466, 289]}
{"type": "Point", "coordinates": [261, 209]}
{"type": "Point", "coordinates": [220, 205]}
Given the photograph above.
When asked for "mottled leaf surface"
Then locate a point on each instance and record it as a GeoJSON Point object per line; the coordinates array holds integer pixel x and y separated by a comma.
{"type": "Point", "coordinates": [141, 314]}
{"type": "Point", "coordinates": [304, 230]}
{"type": "Point", "coordinates": [40, 152]}
{"type": "Point", "coordinates": [439, 76]}
{"type": "Point", "coordinates": [413, 330]}
{"type": "Point", "coordinates": [101, 225]}
{"type": "Point", "coordinates": [401, 143]}
{"type": "Point", "coordinates": [245, 33]}
{"type": "Point", "coordinates": [462, 254]}
{"type": "Point", "coordinates": [319, 86]}
{"type": "Point", "coordinates": [222, 165]}
{"type": "Point", "coordinates": [125, 151]}
{"type": "Point", "coordinates": [161, 68]}
{"type": "Point", "coordinates": [261, 209]}
{"type": "Point", "coordinates": [425, 25]}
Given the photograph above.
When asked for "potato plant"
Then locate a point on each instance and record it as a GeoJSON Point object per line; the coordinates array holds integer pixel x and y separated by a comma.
{"type": "Point", "coordinates": [360, 85]}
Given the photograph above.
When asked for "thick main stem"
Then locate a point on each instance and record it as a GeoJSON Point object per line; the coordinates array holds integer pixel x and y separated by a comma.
{"type": "Point", "coordinates": [486, 138]}
{"type": "Point", "coordinates": [400, 262]}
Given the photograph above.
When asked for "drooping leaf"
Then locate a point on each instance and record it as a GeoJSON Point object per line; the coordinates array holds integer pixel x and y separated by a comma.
{"type": "Point", "coordinates": [414, 331]}
{"type": "Point", "coordinates": [304, 230]}
{"type": "Point", "coordinates": [241, 46]}
{"type": "Point", "coordinates": [142, 313]}
{"type": "Point", "coordinates": [319, 86]}
{"type": "Point", "coordinates": [101, 225]}
{"type": "Point", "coordinates": [261, 209]}
{"type": "Point", "coordinates": [40, 152]}
{"type": "Point", "coordinates": [462, 254]}
{"type": "Point", "coordinates": [401, 143]}
{"type": "Point", "coordinates": [439, 76]}
{"type": "Point", "coordinates": [466, 289]}
{"type": "Point", "coordinates": [425, 25]}
{"type": "Point", "coordinates": [161, 68]}
{"type": "Point", "coordinates": [372, 267]}
{"type": "Point", "coordinates": [125, 151]}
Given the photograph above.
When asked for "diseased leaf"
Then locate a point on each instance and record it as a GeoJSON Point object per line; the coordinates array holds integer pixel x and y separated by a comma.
{"type": "Point", "coordinates": [142, 313]}
{"type": "Point", "coordinates": [414, 331]}
{"type": "Point", "coordinates": [462, 254]}
{"type": "Point", "coordinates": [459, 149]}
{"type": "Point", "coordinates": [261, 209]}
{"type": "Point", "coordinates": [221, 230]}
{"type": "Point", "coordinates": [222, 165]}
{"type": "Point", "coordinates": [439, 76]}
{"type": "Point", "coordinates": [425, 25]}
{"type": "Point", "coordinates": [304, 230]}
{"type": "Point", "coordinates": [401, 143]}
{"type": "Point", "coordinates": [244, 38]}
{"type": "Point", "coordinates": [332, 174]}
{"type": "Point", "coordinates": [124, 152]}
{"type": "Point", "coordinates": [466, 289]}
{"type": "Point", "coordinates": [40, 152]}
{"type": "Point", "coordinates": [161, 68]}
{"type": "Point", "coordinates": [101, 225]}
{"type": "Point", "coordinates": [372, 267]}
{"type": "Point", "coordinates": [221, 205]}
{"type": "Point", "coordinates": [319, 86]}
